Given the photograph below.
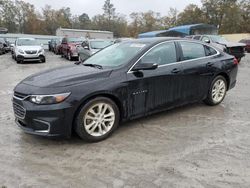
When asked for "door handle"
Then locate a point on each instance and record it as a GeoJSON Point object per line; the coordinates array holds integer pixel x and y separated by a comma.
{"type": "Point", "coordinates": [175, 71]}
{"type": "Point", "coordinates": [210, 64]}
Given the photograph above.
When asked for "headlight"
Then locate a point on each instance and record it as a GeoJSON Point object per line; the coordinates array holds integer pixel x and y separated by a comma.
{"type": "Point", "coordinates": [48, 99]}
{"type": "Point", "coordinates": [40, 51]}
{"type": "Point", "coordinates": [21, 51]}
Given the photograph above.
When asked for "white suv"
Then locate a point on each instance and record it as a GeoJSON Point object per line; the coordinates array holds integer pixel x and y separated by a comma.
{"type": "Point", "coordinates": [28, 49]}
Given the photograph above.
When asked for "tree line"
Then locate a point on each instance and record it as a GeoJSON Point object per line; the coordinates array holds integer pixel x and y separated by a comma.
{"type": "Point", "coordinates": [231, 16]}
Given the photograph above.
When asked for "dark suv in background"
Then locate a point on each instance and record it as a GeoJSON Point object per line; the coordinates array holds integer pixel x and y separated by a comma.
{"type": "Point", "coordinates": [2, 51]}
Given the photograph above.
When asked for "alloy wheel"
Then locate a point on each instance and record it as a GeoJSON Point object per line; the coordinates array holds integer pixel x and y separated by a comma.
{"type": "Point", "coordinates": [218, 90]}
{"type": "Point", "coordinates": [99, 119]}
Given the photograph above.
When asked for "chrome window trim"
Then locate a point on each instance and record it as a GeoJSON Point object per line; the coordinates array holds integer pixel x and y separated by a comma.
{"type": "Point", "coordinates": [179, 62]}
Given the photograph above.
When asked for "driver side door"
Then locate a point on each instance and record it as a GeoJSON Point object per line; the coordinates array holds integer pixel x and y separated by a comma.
{"type": "Point", "coordinates": [155, 90]}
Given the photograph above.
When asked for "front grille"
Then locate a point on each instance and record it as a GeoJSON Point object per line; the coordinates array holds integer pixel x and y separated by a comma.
{"type": "Point", "coordinates": [20, 95]}
{"type": "Point", "coordinates": [19, 110]}
{"type": "Point", "coordinates": [30, 51]}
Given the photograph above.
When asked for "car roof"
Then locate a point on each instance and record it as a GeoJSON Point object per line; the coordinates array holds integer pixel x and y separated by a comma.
{"type": "Point", "coordinates": [153, 40]}
{"type": "Point", "coordinates": [26, 39]}
{"type": "Point", "coordinates": [99, 40]}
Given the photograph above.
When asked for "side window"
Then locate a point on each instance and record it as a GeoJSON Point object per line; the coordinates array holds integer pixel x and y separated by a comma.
{"type": "Point", "coordinates": [204, 39]}
{"type": "Point", "coordinates": [162, 54]}
{"type": "Point", "coordinates": [210, 51]}
{"type": "Point", "coordinates": [197, 37]}
{"type": "Point", "coordinates": [192, 50]}
{"type": "Point", "coordinates": [85, 44]}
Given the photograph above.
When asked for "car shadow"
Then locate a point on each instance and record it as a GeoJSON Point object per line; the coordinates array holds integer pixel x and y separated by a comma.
{"type": "Point", "coordinates": [125, 126]}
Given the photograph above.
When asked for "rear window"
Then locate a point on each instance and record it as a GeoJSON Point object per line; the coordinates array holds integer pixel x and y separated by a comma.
{"type": "Point", "coordinates": [210, 51]}
{"type": "Point", "coordinates": [192, 50]}
{"type": "Point", "coordinates": [75, 40]}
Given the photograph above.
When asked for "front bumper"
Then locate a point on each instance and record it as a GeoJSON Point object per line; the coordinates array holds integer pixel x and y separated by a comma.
{"type": "Point", "coordinates": [44, 120]}
{"type": "Point", "coordinates": [35, 57]}
{"type": "Point", "coordinates": [74, 54]}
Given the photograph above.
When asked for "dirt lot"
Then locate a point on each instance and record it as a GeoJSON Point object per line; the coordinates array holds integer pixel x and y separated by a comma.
{"type": "Point", "coordinates": [192, 146]}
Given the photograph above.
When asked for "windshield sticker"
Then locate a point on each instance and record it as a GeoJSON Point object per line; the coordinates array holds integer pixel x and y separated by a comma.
{"type": "Point", "coordinates": [137, 45]}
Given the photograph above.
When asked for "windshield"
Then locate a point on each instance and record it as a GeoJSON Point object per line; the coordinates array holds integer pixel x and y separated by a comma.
{"type": "Point", "coordinates": [27, 42]}
{"type": "Point", "coordinates": [99, 44]}
{"type": "Point", "coordinates": [218, 39]}
{"type": "Point", "coordinates": [115, 55]}
{"type": "Point", "coordinates": [75, 40]}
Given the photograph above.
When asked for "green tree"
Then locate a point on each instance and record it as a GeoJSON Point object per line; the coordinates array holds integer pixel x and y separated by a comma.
{"type": "Point", "coordinates": [245, 16]}
{"type": "Point", "coordinates": [84, 21]}
{"type": "Point", "coordinates": [192, 14]}
{"type": "Point", "coordinates": [8, 15]}
{"type": "Point", "coordinates": [109, 13]}
{"type": "Point", "coordinates": [171, 19]}
{"type": "Point", "coordinates": [25, 16]}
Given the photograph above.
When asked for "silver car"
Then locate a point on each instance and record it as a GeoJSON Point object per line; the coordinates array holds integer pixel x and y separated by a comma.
{"type": "Point", "coordinates": [90, 47]}
{"type": "Point", "coordinates": [28, 49]}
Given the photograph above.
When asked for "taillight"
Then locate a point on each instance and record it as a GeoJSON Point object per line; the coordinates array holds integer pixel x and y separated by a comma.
{"type": "Point", "coordinates": [236, 62]}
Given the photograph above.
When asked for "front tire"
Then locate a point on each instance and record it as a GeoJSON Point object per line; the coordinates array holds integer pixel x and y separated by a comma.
{"type": "Point", "coordinates": [217, 91]}
{"type": "Point", "coordinates": [69, 56]}
{"type": "Point", "coordinates": [97, 119]}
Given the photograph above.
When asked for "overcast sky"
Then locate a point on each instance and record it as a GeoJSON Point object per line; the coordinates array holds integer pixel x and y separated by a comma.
{"type": "Point", "coordinates": [93, 7]}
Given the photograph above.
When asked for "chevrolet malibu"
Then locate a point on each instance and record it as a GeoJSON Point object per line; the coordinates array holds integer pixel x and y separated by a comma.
{"type": "Point", "coordinates": [125, 81]}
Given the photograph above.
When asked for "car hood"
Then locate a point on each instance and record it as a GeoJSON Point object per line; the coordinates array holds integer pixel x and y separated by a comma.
{"type": "Point", "coordinates": [65, 76]}
{"type": "Point", "coordinates": [29, 47]}
{"type": "Point", "coordinates": [233, 44]}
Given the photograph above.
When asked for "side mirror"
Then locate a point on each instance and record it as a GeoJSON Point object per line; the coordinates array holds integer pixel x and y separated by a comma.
{"type": "Point", "coordinates": [207, 41]}
{"type": "Point", "coordinates": [86, 47]}
{"type": "Point", "coordinates": [145, 66]}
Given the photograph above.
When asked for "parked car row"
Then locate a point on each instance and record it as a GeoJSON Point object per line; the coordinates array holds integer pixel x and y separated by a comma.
{"type": "Point", "coordinates": [80, 49]}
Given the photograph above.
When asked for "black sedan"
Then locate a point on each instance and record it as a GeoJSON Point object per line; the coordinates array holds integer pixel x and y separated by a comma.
{"type": "Point", "coordinates": [122, 82]}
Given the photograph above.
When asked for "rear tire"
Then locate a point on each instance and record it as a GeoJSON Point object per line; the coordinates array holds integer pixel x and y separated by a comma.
{"type": "Point", "coordinates": [217, 91]}
{"type": "Point", "coordinates": [97, 119]}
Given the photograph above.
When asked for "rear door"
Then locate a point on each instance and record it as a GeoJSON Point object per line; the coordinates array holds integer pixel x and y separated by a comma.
{"type": "Point", "coordinates": [151, 90]}
{"type": "Point", "coordinates": [198, 68]}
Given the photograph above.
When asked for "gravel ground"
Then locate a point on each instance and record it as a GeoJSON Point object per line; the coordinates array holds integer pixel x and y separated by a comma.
{"type": "Point", "coordinates": [192, 146]}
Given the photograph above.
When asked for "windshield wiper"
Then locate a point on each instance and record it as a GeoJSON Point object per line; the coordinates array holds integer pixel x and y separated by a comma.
{"type": "Point", "coordinates": [93, 65]}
